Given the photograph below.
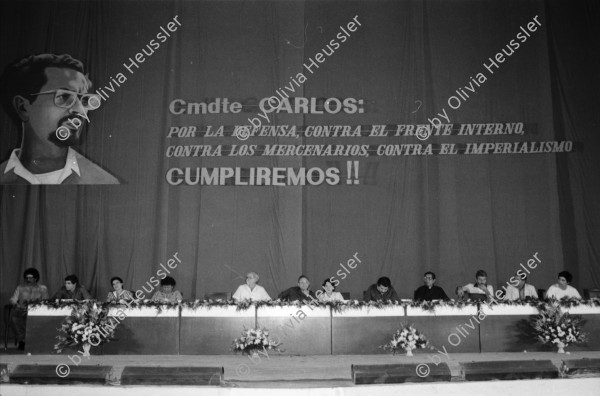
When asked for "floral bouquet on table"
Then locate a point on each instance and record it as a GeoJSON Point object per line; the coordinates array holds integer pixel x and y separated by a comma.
{"type": "Point", "coordinates": [407, 338]}
{"type": "Point", "coordinates": [557, 327]}
{"type": "Point", "coordinates": [254, 340]}
{"type": "Point", "coordinates": [88, 325]}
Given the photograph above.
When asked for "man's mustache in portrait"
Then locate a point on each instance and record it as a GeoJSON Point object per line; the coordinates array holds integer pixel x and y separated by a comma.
{"type": "Point", "coordinates": [68, 131]}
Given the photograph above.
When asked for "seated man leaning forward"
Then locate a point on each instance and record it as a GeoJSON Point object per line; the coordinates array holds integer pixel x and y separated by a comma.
{"type": "Point", "coordinates": [298, 293]}
{"type": "Point", "coordinates": [72, 290]}
{"type": "Point", "coordinates": [429, 291]}
{"type": "Point", "coordinates": [47, 98]}
{"type": "Point", "coordinates": [478, 290]}
{"type": "Point", "coordinates": [521, 291]}
{"type": "Point", "coordinates": [382, 290]}
{"type": "Point", "coordinates": [251, 291]}
{"type": "Point", "coordinates": [562, 289]}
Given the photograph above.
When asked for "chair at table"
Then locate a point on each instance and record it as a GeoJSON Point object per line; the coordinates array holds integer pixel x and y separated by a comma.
{"type": "Point", "coordinates": [541, 294]}
{"type": "Point", "coordinates": [8, 325]}
{"type": "Point", "coordinates": [346, 295]}
{"type": "Point", "coordinates": [218, 296]}
{"type": "Point", "coordinates": [591, 293]}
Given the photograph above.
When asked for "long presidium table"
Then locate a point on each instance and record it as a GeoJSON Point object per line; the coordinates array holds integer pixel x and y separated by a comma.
{"type": "Point", "coordinates": [311, 330]}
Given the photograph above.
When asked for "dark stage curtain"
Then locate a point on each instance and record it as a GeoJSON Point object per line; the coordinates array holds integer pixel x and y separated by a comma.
{"type": "Point", "coordinates": [450, 214]}
{"type": "Point", "coordinates": [574, 52]}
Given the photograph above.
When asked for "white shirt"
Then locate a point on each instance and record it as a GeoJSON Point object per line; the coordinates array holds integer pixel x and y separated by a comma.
{"type": "Point", "coordinates": [512, 292]}
{"type": "Point", "coordinates": [555, 291]}
{"type": "Point", "coordinates": [259, 293]}
{"type": "Point", "coordinates": [471, 288]}
{"type": "Point", "coordinates": [335, 296]}
{"type": "Point", "coordinates": [55, 177]}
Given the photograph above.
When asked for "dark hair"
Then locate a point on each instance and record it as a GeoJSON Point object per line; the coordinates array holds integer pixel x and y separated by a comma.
{"type": "Point", "coordinates": [567, 275]}
{"type": "Point", "coordinates": [72, 278]}
{"type": "Point", "coordinates": [523, 277]}
{"type": "Point", "coordinates": [33, 272]}
{"type": "Point", "coordinates": [114, 278]}
{"type": "Point", "coordinates": [429, 272]}
{"type": "Point", "coordinates": [384, 281]}
{"type": "Point", "coordinates": [303, 276]}
{"type": "Point", "coordinates": [480, 273]}
{"type": "Point", "coordinates": [27, 76]}
{"type": "Point", "coordinates": [168, 281]}
{"type": "Point", "coordinates": [326, 281]}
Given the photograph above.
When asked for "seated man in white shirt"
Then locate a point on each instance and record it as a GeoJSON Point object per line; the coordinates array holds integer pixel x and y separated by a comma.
{"type": "Point", "coordinates": [251, 291]}
{"type": "Point", "coordinates": [521, 291]}
{"type": "Point", "coordinates": [478, 289]}
{"type": "Point", "coordinates": [47, 97]}
{"type": "Point", "coordinates": [562, 289]}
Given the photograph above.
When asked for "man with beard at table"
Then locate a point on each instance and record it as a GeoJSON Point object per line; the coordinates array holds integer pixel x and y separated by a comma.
{"type": "Point", "coordinates": [47, 97]}
{"type": "Point", "coordinates": [382, 291]}
{"type": "Point", "coordinates": [23, 295]}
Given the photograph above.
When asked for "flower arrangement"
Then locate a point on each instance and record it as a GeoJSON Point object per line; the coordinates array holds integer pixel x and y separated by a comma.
{"type": "Point", "coordinates": [432, 305]}
{"type": "Point", "coordinates": [253, 340]}
{"type": "Point", "coordinates": [407, 338]}
{"type": "Point", "coordinates": [87, 325]}
{"type": "Point", "coordinates": [337, 306]}
{"type": "Point", "coordinates": [557, 327]}
{"type": "Point", "coordinates": [343, 306]}
{"type": "Point", "coordinates": [575, 302]}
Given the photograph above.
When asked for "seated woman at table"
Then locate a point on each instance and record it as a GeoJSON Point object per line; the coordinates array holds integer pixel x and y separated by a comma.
{"type": "Point", "coordinates": [521, 291]}
{"type": "Point", "coordinates": [72, 290]}
{"type": "Point", "coordinates": [251, 291]}
{"type": "Point", "coordinates": [479, 290]}
{"type": "Point", "coordinates": [330, 294]}
{"type": "Point", "coordinates": [167, 294]}
{"type": "Point", "coordinates": [298, 293]}
{"type": "Point", "coordinates": [382, 290]}
{"type": "Point", "coordinates": [118, 294]}
{"type": "Point", "coordinates": [562, 289]}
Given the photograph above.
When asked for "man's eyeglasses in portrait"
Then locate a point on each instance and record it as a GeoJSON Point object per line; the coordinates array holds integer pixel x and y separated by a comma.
{"type": "Point", "coordinates": [66, 99]}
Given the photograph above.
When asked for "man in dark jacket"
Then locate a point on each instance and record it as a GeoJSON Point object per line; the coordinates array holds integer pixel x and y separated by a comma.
{"type": "Point", "coordinates": [298, 293]}
{"type": "Point", "coordinates": [72, 290]}
{"type": "Point", "coordinates": [382, 290]}
{"type": "Point", "coordinates": [429, 291]}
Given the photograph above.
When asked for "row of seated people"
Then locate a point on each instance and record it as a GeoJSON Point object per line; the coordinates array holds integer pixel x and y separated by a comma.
{"type": "Point", "coordinates": [516, 289]}
{"type": "Point", "coordinates": [31, 292]}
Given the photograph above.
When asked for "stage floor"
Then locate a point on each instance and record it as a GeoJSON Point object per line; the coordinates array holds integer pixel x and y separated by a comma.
{"type": "Point", "coordinates": [305, 375]}
{"type": "Point", "coordinates": [276, 371]}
